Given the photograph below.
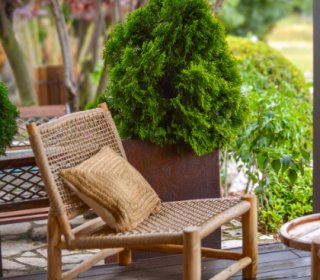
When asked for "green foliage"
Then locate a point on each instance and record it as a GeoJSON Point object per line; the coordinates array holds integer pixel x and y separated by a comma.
{"type": "Point", "coordinates": [8, 115]}
{"type": "Point", "coordinates": [267, 65]}
{"type": "Point", "coordinates": [94, 78]}
{"type": "Point", "coordinates": [284, 201]}
{"type": "Point", "coordinates": [275, 147]}
{"type": "Point", "coordinates": [302, 7]}
{"type": "Point", "coordinates": [172, 78]}
{"type": "Point", "coordinates": [258, 17]}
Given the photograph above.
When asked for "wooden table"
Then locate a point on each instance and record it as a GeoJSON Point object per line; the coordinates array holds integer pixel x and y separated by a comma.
{"type": "Point", "coordinates": [304, 234]}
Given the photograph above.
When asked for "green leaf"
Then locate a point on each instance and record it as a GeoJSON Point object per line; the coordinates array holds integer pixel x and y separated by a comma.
{"type": "Point", "coordinates": [276, 165]}
{"type": "Point", "coordinates": [285, 161]}
{"type": "Point", "coordinates": [306, 155]}
{"type": "Point", "coordinates": [292, 174]}
{"type": "Point", "coordinates": [261, 161]}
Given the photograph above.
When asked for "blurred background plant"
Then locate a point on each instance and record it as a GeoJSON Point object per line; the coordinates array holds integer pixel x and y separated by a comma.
{"type": "Point", "coordinates": [89, 22]}
{"type": "Point", "coordinates": [8, 115]}
{"type": "Point", "coordinates": [35, 40]}
{"type": "Point", "coordinates": [247, 18]}
{"type": "Point", "coordinates": [274, 149]}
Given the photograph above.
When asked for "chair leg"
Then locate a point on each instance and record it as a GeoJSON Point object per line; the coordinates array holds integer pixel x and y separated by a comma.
{"type": "Point", "coordinates": [249, 233]}
{"type": "Point", "coordinates": [191, 254]}
{"type": "Point", "coordinates": [54, 252]}
{"type": "Point", "coordinates": [124, 257]}
{"type": "Point", "coordinates": [315, 260]}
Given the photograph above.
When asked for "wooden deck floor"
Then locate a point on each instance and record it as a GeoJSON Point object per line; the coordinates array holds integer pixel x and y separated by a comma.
{"type": "Point", "coordinates": [275, 262]}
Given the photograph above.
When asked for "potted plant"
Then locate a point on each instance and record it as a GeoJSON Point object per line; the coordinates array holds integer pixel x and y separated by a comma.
{"type": "Point", "coordinates": [8, 115]}
{"type": "Point", "coordinates": [174, 83]}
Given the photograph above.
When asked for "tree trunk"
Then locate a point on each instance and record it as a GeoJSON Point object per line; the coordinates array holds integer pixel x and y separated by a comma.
{"type": "Point", "coordinates": [140, 3]}
{"type": "Point", "coordinates": [14, 54]}
{"type": "Point", "coordinates": [102, 82]}
{"type": "Point", "coordinates": [66, 53]}
{"type": "Point", "coordinates": [117, 11]}
{"type": "Point", "coordinates": [216, 7]}
{"type": "Point", "coordinates": [86, 93]}
{"type": "Point", "coordinates": [95, 40]}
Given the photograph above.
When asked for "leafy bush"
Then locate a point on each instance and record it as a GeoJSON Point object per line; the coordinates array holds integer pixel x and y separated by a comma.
{"type": "Point", "coordinates": [284, 202]}
{"type": "Point", "coordinates": [8, 115]}
{"type": "Point", "coordinates": [172, 78]}
{"type": "Point", "coordinates": [260, 58]}
{"type": "Point", "coordinates": [275, 147]}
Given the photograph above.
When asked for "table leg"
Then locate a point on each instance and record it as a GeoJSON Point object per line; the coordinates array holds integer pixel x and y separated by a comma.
{"type": "Point", "coordinates": [315, 260]}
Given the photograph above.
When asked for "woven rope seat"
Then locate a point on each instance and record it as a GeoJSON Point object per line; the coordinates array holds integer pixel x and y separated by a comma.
{"type": "Point", "coordinates": [167, 226]}
{"type": "Point", "coordinates": [179, 227]}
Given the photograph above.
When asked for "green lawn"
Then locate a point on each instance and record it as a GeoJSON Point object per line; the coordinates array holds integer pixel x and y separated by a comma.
{"type": "Point", "coordinates": [293, 37]}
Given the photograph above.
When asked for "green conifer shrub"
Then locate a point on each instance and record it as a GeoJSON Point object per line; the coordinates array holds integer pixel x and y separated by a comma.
{"type": "Point", "coordinates": [8, 115]}
{"type": "Point", "coordinates": [172, 78]}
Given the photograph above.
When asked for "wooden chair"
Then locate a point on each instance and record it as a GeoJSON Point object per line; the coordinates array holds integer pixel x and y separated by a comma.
{"type": "Point", "coordinates": [178, 228]}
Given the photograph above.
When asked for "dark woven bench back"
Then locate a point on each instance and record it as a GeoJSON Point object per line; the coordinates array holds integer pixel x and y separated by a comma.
{"type": "Point", "coordinates": [21, 186]}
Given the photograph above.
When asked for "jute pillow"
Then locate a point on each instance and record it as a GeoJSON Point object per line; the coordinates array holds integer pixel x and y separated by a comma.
{"type": "Point", "coordinates": [107, 181]}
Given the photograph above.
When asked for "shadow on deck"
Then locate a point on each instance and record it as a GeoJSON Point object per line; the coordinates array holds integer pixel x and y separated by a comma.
{"type": "Point", "coordinates": [275, 262]}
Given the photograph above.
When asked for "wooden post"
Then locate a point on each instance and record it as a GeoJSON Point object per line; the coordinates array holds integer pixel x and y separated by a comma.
{"type": "Point", "coordinates": [50, 85]}
{"type": "Point", "coordinates": [249, 233]}
{"type": "Point", "coordinates": [57, 91]}
{"type": "Point", "coordinates": [124, 257]}
{"type": "Point", "coordinates": [39, 76]}
{"type": "Point", "coordinates": [316, 106]}
{"type": "Point", "coordinates": [191, 254]}
{"type": "Point", "coordinates": [54, 253]}
{"type": "Point", "coordinates": [315, 260]}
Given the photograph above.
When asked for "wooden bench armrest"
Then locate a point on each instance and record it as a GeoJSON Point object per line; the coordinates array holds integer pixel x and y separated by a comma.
{"type": "Point", "coordinates": [24, 215]}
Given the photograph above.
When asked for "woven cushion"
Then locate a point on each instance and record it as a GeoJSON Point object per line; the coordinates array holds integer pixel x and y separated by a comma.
{"type": "Point", "coordinates": [113, 183]}
{"type": "Point", "coordinates": [99, 209]}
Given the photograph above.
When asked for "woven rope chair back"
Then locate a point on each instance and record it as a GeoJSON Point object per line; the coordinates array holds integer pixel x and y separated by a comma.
{"type": "Point", "coordinates": [71, 139]}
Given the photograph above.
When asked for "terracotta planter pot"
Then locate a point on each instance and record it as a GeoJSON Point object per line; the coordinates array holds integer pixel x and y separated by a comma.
{"type": "Point", "coordinates": [177, 176]}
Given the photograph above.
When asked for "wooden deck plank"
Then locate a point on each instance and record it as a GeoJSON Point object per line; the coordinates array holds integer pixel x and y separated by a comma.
{"type": "Point", "coordinates": [275, 262]}
{"type": "Point", "coordinates": [302, 253]}
{"type": "Point", "coordinates": [287, 264]}
{"type": "Point", "coordinates": [277, 256]}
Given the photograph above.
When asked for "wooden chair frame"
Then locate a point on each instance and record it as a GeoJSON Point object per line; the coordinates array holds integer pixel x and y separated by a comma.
{"type": "Point", "coordinates": [186, 241]}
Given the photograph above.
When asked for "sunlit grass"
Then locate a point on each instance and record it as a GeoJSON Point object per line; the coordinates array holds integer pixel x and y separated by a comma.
{"type": "Point", "coordinates": [293, 38]}
{"type": "Point", "coordinates": [292, 29]}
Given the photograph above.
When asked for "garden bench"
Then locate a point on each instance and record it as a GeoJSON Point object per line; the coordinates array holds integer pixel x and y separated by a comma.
{"type": "Point", "coordinates": [22, 194]}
